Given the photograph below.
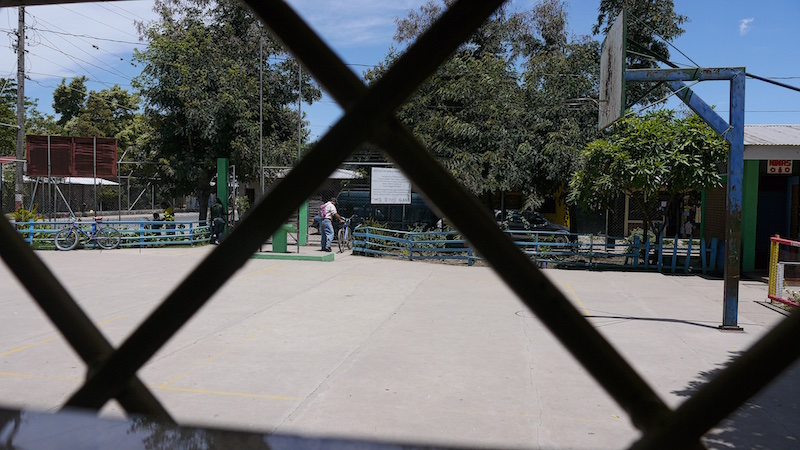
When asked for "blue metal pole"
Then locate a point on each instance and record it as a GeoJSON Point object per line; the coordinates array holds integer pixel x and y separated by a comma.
{"type": "Point", "coordinates": [733, 228]}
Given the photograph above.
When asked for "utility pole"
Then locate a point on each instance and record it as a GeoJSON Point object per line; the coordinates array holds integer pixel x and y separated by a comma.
{"type": "Point", "coordinates": [18, 180]}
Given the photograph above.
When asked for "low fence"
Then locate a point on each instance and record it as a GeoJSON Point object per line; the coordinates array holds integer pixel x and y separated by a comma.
{"type": "Point", "coordinates": [548, 249]}
{"type": "Point", "coordinates": [133, 233]}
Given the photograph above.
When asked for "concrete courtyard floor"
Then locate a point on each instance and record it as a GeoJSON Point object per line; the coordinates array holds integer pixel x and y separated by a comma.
{"type": "Point", "coordinates": [396, 351]}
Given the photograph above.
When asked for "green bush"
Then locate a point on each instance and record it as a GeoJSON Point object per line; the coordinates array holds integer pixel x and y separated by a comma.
{"type": "Point", "coordinates": [24, 215]}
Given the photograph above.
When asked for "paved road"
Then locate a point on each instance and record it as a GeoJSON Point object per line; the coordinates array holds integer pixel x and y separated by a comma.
{"type": "Point", "coordinates": [395, 350]}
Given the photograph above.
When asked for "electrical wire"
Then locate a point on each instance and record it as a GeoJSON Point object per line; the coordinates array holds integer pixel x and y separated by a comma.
{"type": "Point", "coordinates": [95, 20]}
{"type": "Point", "coordinates": [665, 41]}
{"type": "Point", "coordinates": [118, 73]}
{"type": "Point", "coordinates": [88, 43]}
{"type": "Point", "coordinates": [661, 100]}
{"type": "Point", "coordinates": [86, 36]}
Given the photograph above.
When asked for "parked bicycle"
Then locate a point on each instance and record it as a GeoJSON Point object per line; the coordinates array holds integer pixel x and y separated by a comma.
{"type": "Point", "coordinates": [345, 235]}
{"type": "Point", "coordinates": [105, 236]}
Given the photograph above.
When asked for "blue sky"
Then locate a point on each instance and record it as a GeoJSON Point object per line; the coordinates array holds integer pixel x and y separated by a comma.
{"type": "Point", "coordinates": [96, 40]}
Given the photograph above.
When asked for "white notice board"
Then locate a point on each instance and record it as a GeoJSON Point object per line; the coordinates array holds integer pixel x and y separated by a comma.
{"type": "Point", "coordinates": [389, 187]}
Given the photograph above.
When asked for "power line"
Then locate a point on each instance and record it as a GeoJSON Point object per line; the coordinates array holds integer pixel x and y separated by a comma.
{"type": "Point", "coordinates": [100, 5]}
{"type": "Point", "coordinates": [86, 36]}
{"type": "Point", "coordinates": [76, 59]}
{"type": "Point", "coordinates": [95, 20]}
{"type": "Point", "coordinates": [50, 75]}
{"type": "Point", "coordinates": [116, 5]}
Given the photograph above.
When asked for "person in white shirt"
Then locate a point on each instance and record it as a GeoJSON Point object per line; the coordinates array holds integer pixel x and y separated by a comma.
{"type": "Point", "coordinates": [328, 213]}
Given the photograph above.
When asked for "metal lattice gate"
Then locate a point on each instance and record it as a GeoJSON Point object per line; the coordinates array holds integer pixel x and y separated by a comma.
{"type": "Point", "coordinates": [370, 118]}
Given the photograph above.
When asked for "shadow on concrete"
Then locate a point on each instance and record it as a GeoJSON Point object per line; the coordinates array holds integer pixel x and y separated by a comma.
{"type": "Point", "coordinates": [770, 420]}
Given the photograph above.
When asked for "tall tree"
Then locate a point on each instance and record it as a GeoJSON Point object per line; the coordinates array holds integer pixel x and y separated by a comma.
{"type": "Point", "coordinates": [106, 113]}
{"type": "Point", "coordinates": [647, 158]}
{"type": "Point", "coordinates": [8, 116]}
{"type": "Point", "coordinates": [200, 84]}
{"type": "Point", "coordinates": [69, 99]}
{"type": "Point", "coordinates": [560, 82]}
{"type": "Point", "coordinates": [651, 26]}
{"type": "Point", "coordinates": [504, 112]}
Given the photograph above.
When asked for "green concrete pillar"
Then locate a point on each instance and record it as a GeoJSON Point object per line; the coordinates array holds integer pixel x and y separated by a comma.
{"type": "Point", "coordinates": [749, 214]}
{"type": "Point", "coordinates": [302, 232]}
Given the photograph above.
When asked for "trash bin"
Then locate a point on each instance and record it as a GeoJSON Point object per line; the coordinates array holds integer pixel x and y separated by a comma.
{"type": "Point", "coordinates": [279, 239]}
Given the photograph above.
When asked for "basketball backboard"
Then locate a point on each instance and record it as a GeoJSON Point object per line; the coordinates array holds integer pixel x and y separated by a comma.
{"type": "Point", "coordinates": [612, 74]}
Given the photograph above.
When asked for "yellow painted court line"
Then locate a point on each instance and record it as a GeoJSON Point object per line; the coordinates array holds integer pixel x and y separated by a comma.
{"type": "Point", "coordinates": [112, 319]}
{"type": "Point", "coordinates": [585, 311]}
{"type": "Point", "coordinates": [30, 375]}
{"type": "Point", "coordinates": [25, 347]}
{"type": "Point", "coordinates": [230, 394]}
{"type": "Point", "coordinates": [208, 360]}
{"type": "Point", "coordinates": [163, 388]}
{"type": "Point", "coordinates": [261, 271]}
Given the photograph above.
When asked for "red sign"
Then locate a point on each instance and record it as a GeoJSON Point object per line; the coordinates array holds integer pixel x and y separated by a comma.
{"type": "Point", "coordinates": [779, 166]}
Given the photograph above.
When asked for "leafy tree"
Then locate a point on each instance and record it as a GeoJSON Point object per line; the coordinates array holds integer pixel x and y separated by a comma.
{"type": "Point", "coordinates": [35, 122]}
{"type": "Point", "coordinates": [560, 81]}
{"type": "Point", "coordinates": [69, 99]}
{"type": "Point", "coordinates": [649, 157]}
{"type": "Point", "coordinates": [507, 111]}
{"type": "Point", "coordinates": [106, 113]}
{"type": "Point", "coordinates": [8, 116]}
{"type": "Point", "coordinates": [650, 26]}
{"type": "Point", "coordinates": [200, 85]}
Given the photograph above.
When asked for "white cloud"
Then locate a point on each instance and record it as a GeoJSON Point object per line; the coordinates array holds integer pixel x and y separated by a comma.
{"type": "Point", "coordinates": [350, 23]}
{"type": "Point", "coordinates": [744, 25]}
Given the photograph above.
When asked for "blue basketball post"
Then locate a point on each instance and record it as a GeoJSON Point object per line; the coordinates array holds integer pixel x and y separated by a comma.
{"type": "Point", "coordinates": [733, 132]}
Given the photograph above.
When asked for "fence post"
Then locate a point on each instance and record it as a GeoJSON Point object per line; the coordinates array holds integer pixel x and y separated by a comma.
{"type": "Point", "coordinates": [410, 246]}
{"type": "Point", "coordinates": [675, 254]}
{"type": "Point", "coordinates": [688, 256]}
{"type": "Point", "coordinates": [703, 254]}
{"type": "Point", "coordinates": [713, 256]}
{"type": "Point", "coordinates": [141, 232]}
{"type": "Point", "coordinates": [646, 250]}
{"type": "Point", "coordinates": [636, 245]}
{"type": "Point", "coordinates": [30, 232]}
{"type": "Point", "coordinates": [469, 256]}
{"type": "Point", "coordinates": [191, 233]}
{"type": "Point", "coordinates": [660, 252]}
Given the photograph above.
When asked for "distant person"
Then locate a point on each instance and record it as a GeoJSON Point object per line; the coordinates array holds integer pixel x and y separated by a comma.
{"type": "Point", "coordinates": [688, 228]}
{"type": "Point", "coordinates": [327, 213]}
{"type": "Point", "coordinates": [217, 220]}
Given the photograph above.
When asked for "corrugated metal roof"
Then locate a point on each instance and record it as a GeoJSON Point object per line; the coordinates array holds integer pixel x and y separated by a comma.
{"type": "Point", "coordinates": [773, 135]}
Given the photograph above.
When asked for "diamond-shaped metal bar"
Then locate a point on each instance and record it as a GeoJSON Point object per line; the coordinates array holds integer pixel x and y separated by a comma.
{"type": "Point", "coordinates": [69, 318]}
{"type": "Point", "coordinates": [368, 114]}
{"type": "Point", "coordinates": [748, 374]}
{"type": "Point", "coordinates": [535, 290]}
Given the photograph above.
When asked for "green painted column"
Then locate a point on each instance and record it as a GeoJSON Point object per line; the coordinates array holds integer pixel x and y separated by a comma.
{"type": "Point", "coordinates": [749, 214]}
{"type": "Point", "coordinates": [222, 185]}
{"type": "Point", "coordinates": [302, 232]}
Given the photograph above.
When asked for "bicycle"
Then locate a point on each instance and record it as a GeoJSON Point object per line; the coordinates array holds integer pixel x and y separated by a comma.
{"type": "Point", "coordinates": [345, 235]}
{"type": "Point", "coordinates": [107, 237]}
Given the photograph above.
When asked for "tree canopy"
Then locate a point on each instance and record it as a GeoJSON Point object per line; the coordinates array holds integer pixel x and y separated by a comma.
{"type": "Point", "coordinates": [200, 86]}
{"type": "Point", "coordinates": [650, 27]}
{"type": "Point", "coordinates": [505, 111]}
{"type": "Point", "coordinates": [659, 154]}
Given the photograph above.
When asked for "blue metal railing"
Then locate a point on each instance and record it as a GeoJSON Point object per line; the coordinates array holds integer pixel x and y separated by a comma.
{"type": "Point", "coordinates": [134, 233]}
{"type": "Point", "coordinates": [547, 249]}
